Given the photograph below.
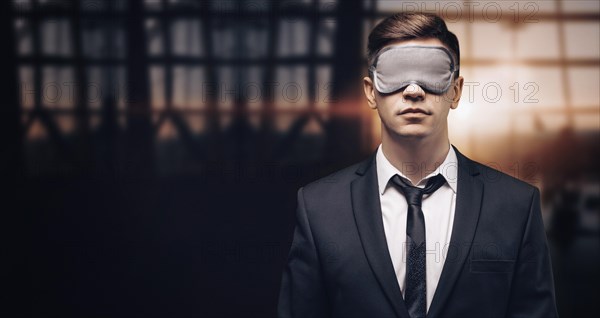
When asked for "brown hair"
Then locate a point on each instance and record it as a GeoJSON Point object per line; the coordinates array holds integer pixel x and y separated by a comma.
{"type": "Point", "coordinates": [407, 26]}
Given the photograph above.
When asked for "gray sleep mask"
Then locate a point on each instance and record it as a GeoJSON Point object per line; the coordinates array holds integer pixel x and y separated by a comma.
{"type": "Point", "coordinates": [430, 67]}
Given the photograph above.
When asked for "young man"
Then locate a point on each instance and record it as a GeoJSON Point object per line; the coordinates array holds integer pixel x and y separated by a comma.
{"type": "Point", "coordinates": [417, 229]}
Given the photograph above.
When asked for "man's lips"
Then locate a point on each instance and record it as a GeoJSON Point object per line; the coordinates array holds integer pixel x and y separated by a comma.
{"type": "Point", "coordinates": [413, 110]}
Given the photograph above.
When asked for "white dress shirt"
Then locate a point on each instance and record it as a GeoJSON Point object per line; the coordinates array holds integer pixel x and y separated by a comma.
{"type": "Point", "coordinates": [438, 209]}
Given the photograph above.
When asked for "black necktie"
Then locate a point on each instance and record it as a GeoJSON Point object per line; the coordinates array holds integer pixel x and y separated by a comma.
{"type": "Point", "coordinates": [415, 295]}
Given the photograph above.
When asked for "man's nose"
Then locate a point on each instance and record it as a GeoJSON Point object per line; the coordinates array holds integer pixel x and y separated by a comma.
{"type": "Point", "coordinates": [413, 92]}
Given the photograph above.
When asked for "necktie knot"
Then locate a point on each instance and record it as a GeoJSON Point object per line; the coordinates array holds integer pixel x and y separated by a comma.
{"type": "Point", "coordinates": [414, 195]}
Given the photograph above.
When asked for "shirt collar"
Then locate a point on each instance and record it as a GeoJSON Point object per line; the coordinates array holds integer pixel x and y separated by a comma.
{"type": "Point", "coordinates": [448, 169]}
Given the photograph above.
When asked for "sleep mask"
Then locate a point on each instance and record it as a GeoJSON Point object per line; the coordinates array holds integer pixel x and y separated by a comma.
{"type": "Point", "coordinates": [430, 67]}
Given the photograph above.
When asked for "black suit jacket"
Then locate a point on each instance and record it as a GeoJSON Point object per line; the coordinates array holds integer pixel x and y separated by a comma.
{"type": "Point", "coordinates": [497, 264]}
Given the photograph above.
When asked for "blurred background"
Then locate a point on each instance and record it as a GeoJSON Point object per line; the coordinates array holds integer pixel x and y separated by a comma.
{"type": "Point", "coordinates": [154, 147]}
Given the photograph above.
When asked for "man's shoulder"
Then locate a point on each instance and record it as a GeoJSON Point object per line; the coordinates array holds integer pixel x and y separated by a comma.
{"type": "Point", "coordinates": [497, 180]}
{"type": "Point", "coordinates": [339, 178]}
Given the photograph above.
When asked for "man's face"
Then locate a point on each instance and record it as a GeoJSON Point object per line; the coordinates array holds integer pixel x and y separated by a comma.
{"type": "Point", "coordinates": [412, 112]}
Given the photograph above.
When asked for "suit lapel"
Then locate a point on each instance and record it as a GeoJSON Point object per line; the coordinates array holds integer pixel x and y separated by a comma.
{"type": "Point", "coordinates": [367, 213]}
{"type": "Point", "coordinates": [468, 205]}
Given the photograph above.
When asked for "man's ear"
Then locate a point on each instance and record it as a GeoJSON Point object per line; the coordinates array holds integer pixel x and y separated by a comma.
{"type": "Point", "coordinates": [457, 87]}
{"type": "Point", "coordinates": [369, 92]}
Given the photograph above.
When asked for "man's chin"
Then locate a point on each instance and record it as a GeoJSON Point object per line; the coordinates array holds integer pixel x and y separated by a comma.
{"type": "Point", "coordinates": [414, 132]}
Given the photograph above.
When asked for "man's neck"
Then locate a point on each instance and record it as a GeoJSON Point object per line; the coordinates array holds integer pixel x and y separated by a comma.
{"type": "Point", "coordinates": [415, 157]}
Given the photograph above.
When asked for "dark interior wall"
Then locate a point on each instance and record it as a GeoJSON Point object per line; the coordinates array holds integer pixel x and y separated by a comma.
{"type": "Point", "coordinates": [97, 228]}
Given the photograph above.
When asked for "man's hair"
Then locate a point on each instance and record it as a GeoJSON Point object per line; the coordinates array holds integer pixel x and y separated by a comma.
{"type": "Point", "coordinates": [405, 26]}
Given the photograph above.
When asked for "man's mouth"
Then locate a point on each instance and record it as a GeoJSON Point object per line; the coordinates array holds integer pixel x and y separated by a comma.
{"type": "Point", "coordinates": [413, 110]}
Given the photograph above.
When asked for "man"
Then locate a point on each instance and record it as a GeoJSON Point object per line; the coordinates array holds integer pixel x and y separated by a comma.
{"type": "Point", "coordinates": [417, 229]}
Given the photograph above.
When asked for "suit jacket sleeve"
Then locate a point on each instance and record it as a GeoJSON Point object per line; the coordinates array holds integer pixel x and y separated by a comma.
{"type": "Point", "coordinates": [533, 284]}
{"type": "Point", "coordinates": [302, 293]}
